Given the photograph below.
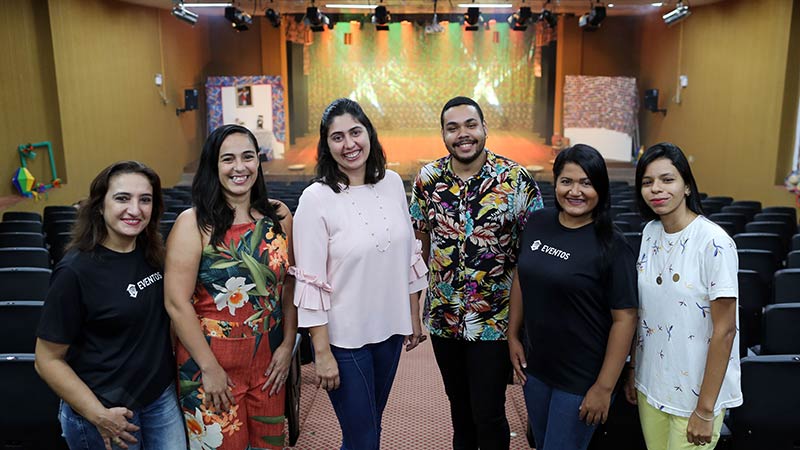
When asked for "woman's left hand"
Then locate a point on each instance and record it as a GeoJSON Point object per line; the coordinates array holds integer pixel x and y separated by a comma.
{"type": "Point", "coordinates": [416, 337]}
{"type": "Point", "coordinates": [698, 431]}
{"type": "Point", "coordinates": [594, 408]}
{"type": "Point", "coordinates": [278, 370]}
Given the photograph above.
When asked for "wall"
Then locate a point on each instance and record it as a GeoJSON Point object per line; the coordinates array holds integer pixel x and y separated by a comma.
{"type": "Point", "coordinates": [735, 54]}
{"type": "Point", "coordinates": [89, 73]}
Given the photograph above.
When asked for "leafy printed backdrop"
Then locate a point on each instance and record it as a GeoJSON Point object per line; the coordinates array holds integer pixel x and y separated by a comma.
{"type": "Point", "coordinates": [403, 77]}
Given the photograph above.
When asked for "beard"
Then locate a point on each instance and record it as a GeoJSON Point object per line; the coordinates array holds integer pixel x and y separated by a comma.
{"type": "Point", "coordinates": [480, 144]}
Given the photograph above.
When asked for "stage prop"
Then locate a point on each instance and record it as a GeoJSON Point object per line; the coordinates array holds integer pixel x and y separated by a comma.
{"type": "Point", "coordinates": [24, 180]}
{"type": "Point", "coordinates": [602, 112]}
{"type": "Point", "coordinates": [255, 102]}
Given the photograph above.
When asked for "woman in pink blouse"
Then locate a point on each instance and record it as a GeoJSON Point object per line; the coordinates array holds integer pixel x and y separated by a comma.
{"type": "Point", "coordinates": [359, 272]}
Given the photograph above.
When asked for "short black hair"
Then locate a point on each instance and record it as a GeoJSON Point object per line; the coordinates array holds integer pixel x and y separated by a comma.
{"type": "Point", "coordinates": [328, 171]}
{"type": "Point", "coordinates": [458, 101]}
{"type": "Point", "coordinates": [675, 155]}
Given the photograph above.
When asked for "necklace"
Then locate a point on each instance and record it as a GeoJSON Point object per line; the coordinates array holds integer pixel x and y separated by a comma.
{"type": "Point", "coordinates": [366, 222]}
{"type": "Point", "coordinates": [669, 247]}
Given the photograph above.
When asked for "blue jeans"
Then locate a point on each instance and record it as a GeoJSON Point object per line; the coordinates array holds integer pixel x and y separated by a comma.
{"type": "Point", "coordinates": [161, 426]}
{"type": "Point", "coordinates": [553, 415]}
{"type": "Point", "coordinates": [366, 375]}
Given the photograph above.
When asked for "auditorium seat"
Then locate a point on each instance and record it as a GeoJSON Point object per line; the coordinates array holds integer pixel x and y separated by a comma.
{"type": "Point", "coordinates": [618, 209]}
{"type": "Point", "coordinates": [728, 227]}
{"type": "Point", "coordinates": [622, 429]}
{"type": "Point", "coordinates": [22, 215]}
{"type": "Point", "coordinates": [761, 241]}
{"type": "Point", "coordinates": [786, 286]}
{"type": "Point", "coordinates": [29, 419]}
{"type": "Point", "coordinates": [18, 322]}
{"type": "Point", "coordinates": [725, 201]}
{"type": "Point", "coordinates": [752, 204]}
{"type": "Point", "coordinates": [635, 240]}
{"type": "Point", "coordinates": [753, 297]}
{"type": "Point", "coordinates": [167, 215]}
{"type": "Point", "coordinates": [761, 261]}
{"type": "Point", "coordinates": [788, 210]}
{"type": "Point", "coordinates": [53, 229]}
{"type": "Point", "coordinates": [634, 219]}
{"type": "Point", "coordinates": [712, 206]}
{"type": "Point", "coordinates": [788, 219]}
{"type": "Point", "coordinates": [779, 228]}
{"type": "Point", "coordinates": [165, 227]}
{"type": "Point", "coordinates": [781, 335]}
{"type": "Point", "coordinates": [60, 214]}
{"type": "Point", "coordinates": [793, 260]}
{"type": "Point", "coordinates": [796, 242]}
{"type": "Point", "coordinates": [58, 245]}
{"type": "Point", "coordinates": [24, 257]}
{"type": "Point", "coordinates": [21, 226]}
{"type": "Point", "coordinates": [21, 240]}
{"type": "Point", "coordinates": [749, 212]}
{"type": "Point", "coordinates": [24, 283]}
{"type": "Point", "coordinates": [768, 418]}
{"type": "Point", "coordinates": [624, 227]}
{"type": "Point", "coordinates": [738, 220]}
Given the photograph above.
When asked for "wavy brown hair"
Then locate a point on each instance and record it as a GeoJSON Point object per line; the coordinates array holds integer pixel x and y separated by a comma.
{"type": "Point", "coordinates": [90, 228]}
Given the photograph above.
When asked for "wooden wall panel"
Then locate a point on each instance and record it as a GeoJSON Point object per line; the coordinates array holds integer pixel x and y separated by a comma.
{"type": "Point", "coordinates": [728, 121]}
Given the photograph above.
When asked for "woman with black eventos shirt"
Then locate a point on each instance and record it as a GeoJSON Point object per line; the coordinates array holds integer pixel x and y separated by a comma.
{"type": "Point", "coordinates": [575, 292]}
{"type": "Point", "coordinates": [103, 340]}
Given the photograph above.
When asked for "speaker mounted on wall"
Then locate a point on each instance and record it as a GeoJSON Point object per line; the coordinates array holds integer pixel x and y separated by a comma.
{"type": "Point", "coordinates": [189, 101]}
{"type": "Point", "coordinates": [651, 101]}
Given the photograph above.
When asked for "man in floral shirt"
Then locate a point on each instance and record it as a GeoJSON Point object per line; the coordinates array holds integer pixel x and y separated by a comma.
{"type": "Point", "coordinates": [468, 210]}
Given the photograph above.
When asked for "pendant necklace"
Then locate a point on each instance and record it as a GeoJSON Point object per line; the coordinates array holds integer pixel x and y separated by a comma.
{"type": "Point", "coordinates": [670, 253]}
{"type": "Point", "coordinates": [381, 211]}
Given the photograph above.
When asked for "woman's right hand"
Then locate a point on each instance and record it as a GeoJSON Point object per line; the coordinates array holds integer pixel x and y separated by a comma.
{"type": "Point", "coordinates": [113, 426]}
{"type": "Point", "coordinates": [218, 389]}
{"type": "Point", "coordinates": [517, 353]}
{"type": "Point", "coordinates": [630, 386]}
{"type": "Point", "coordinates": [327, 370]}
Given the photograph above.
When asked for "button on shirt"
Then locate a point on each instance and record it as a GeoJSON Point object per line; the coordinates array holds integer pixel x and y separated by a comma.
{"type": "Point", "coordinates": [475, 227]}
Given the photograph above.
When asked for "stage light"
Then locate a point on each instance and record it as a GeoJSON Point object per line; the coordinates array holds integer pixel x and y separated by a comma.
{"type": "Point", "coordinates": [239, 19]}
{"type": "Point", "coordinates": [181, 13]}
{"type": "Point", "coordinates": [680, 12]}
{"type": "Point", "coordinates": [274, 17]}
{"type": "Point", "coordinates": [485, 5]}
{"type": "Point", "coordinates": [591, 21]}
{"type": "Point", "coordinates": [472, 18]}
{"type": "Point", "coordinates": [207, 5]}
{"type": "Point", "coordinates": [348, 6]}
{"type": "Point", "coordinates": [381, 18]}
{"type": "Point", "coordinates": [519, 20]}
{"type": "Point", "coordinates": [548, 17]}
{"type": "Point", "coordinates": [434, 26]}
{"type": "Point", "coordinates": [315, 20]}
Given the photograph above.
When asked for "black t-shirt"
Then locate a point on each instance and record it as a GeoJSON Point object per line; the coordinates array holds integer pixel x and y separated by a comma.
{"type": "Point", "coordinates": [109, 308]}
{"type": "Point", "coordinates": [567, 301]}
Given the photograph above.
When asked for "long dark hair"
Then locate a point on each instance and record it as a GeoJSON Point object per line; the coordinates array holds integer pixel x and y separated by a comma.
{"type": "Point", "coordinates": [592, 162]}
{"type": "Point", "coordinates": [214, 214]}
{"type": "Point", "coordinates": [674, 154]}
{"type": "Point", "coordinates": [90, 229]}
{"type": "Point", "coordinates": [328, 171]}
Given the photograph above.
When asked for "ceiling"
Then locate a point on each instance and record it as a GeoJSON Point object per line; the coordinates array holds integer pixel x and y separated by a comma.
{"type": "Point", "coordinates": [258, 7]}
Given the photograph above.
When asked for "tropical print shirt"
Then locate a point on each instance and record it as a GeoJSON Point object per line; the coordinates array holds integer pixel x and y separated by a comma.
{"type": "Point", "coordinates": [475, 226]}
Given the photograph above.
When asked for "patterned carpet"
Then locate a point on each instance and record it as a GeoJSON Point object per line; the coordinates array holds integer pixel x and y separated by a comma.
{"type": "Point", "coordinates": [417, 416]}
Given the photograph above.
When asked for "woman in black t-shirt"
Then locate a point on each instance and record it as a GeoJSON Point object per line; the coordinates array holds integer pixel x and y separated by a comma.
{"type": "Point", "coordinates": [575, 291]}
{"type": "Point", "coordinates": [103, 340]}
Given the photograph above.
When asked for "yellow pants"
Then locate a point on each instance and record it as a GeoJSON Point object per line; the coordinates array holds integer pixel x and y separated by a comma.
{"type": "Point", "coordinates": [664, 431]}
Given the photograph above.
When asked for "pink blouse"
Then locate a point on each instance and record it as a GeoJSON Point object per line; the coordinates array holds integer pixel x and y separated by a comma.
{"type": "Point", "coordinates": [356, 261]}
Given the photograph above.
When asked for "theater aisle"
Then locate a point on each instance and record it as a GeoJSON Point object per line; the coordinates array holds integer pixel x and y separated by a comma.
{"type": "Point", "coordinates": [416, 418]}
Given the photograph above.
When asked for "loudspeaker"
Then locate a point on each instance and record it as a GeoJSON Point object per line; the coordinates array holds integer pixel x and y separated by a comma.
{"type": "Point", "coordinates": [651, 100]}
{"type": "Point", "coordinates": [190, 99]}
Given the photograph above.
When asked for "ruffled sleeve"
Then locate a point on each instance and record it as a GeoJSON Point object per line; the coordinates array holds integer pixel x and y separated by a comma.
{"type": "Point", "coordinates": [310, 236]}
{"type": "Point", "coordinates": [418, 272]}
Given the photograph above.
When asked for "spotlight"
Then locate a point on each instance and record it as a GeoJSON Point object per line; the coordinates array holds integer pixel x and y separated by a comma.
{"type": "Point", "coordinates": [472, 18]}
{"type": "Point", "coordinates": [548, 17]}
{"type": "Point", "coordinates": [315, 20]}
{"type": "Point", "coordinates": [274, 17]}
{"type": "Point", "coordinates": [181, 13]}
{"type": "Point", "coordinates": [591, 21]}
{"type": "Point", "coordinates": [519, 20]}
{"type": "Point", "coordinates": [680, 12]}
{"type": "Point", "coordinates": [381, 18]}
{"type": "Point", "coordinates": [239, 19]}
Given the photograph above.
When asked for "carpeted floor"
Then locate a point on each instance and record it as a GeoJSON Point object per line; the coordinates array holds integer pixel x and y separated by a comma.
{"type": "Point", "coordinates": [417, 416]}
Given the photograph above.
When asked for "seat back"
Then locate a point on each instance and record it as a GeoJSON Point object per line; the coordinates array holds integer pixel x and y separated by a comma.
{"type": "Point", "coordinates": [768, 419]}
{"type": "Point", "coordinates": [21, 226]}
{"type": "Point", "coordinates": [779, 228]}
{"type": "Point", "coordinates": [22, 215]}
{"type": "Point", "coordinates": [788, 210]}
{"type": "Point", "coordinates": [761, 261]}
{"type": "Point", "coordinates": [753, 297]}
{"type": "Point", "coordinates": [749, 212]}
{"type": "Point", "coordinates": [633, 218]}
{"type": "Point", "coordinates": [781, 335]}
{"type": "Point", "coordinates": [21, 240]}
{"type": "Point", "coordinates": [761, 241]}
{"type": "Point", "coordinates": [755, 205]}
{"type": "Point", "coordinates": [18, 322]}
{"type": "Point", "coordinates": [738, 220]}
{"type": "Point", "coordinates": [793, 260]}
{"type": "Point", "coordinates": [24, 257]}
{"type": "Point", "coordinates": [24, 284]}
{"type": "Point", "coordinates": [29, 419]}
{"type": "Point", "coordinates": [786, 286]}
{"type": "Point", "coordinates": [635, 240]}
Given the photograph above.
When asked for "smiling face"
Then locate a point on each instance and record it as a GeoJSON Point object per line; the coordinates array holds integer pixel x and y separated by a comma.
{"type": "Point", "coordinates": [127, 207]}
{"type": "Point", "coordinates": [237, 165]}
{"type": "Point", "coordinates": [663, 188]}
{"type": "Point", "coordinates": [464, 133]}
{"type": "Point", "coordinates": [348, 141]}
{"type": "Point", "coordinates": [575, 194]}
